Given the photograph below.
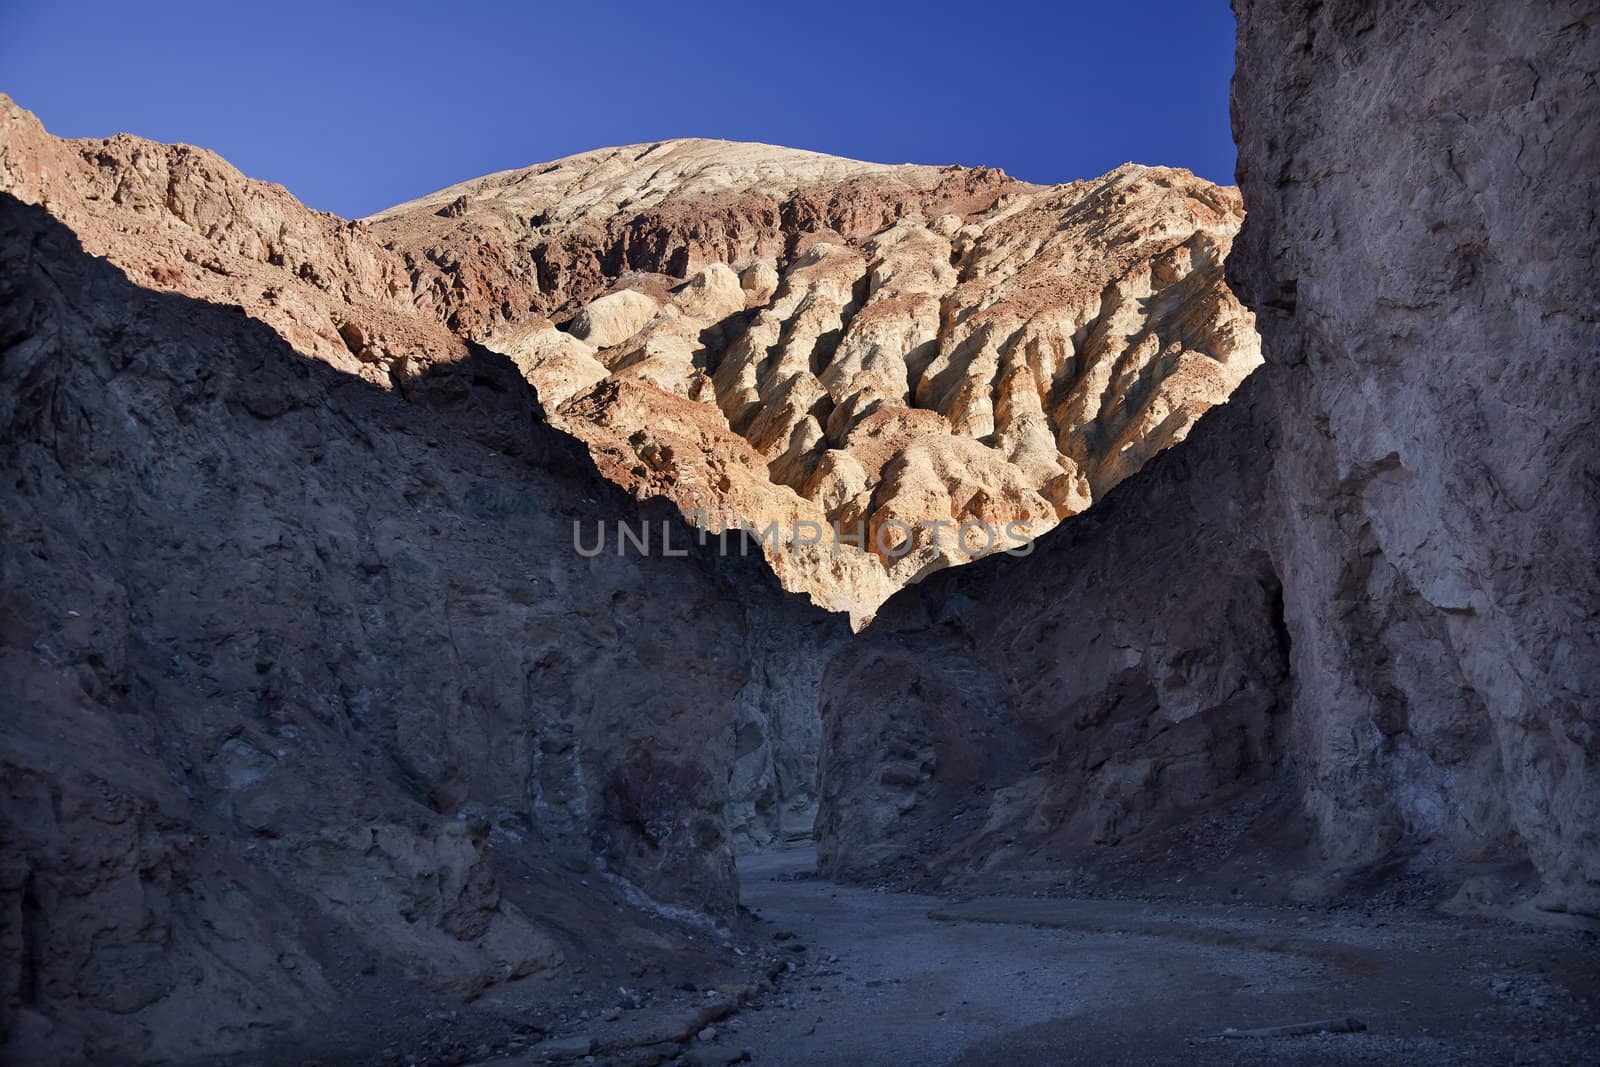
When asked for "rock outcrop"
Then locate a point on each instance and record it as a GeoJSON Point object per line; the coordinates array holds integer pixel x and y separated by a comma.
{"type": "Point", "coordinates": [770, 336]}
{"type": "Point", "coordinates": [1105, 695]}
{"type": "Point", "coordinates": [182, 219]}
{"type": "Point", "coordinates": [839, 352]}
{"type": "Point", "coordinates": [1350, 627]}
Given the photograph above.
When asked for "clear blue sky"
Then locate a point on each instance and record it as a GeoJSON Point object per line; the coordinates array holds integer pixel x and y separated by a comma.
{"type": "Point", "coordinates": [355, 107]}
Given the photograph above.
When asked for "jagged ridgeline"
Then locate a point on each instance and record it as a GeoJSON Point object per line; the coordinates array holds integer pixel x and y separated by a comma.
{"type": "Point", "coordinates": [759, 334]}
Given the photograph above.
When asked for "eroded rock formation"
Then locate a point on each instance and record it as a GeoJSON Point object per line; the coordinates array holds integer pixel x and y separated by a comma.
{"type": "Point", "coordinates": [1034, 715]}
{"type": "Point", "coordinates": [771, 336]}
{"type": "Point", "coordinates": [1350, 627]}
{"type": "Point", "coordinates": [181, 218]}
{"type": "Point", "coordinates": [761, 335]}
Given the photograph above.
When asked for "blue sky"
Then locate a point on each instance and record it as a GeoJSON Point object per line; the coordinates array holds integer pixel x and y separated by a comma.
{"type": "Point", "coordinates": [355, 107]}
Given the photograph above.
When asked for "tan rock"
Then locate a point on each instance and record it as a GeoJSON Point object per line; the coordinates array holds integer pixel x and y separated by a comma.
{"type": "Point", "coordinates": [557, 364]}
{"type": "Point", "coordinates": [1049, 339]}
{"type": "Point", "coordinates": [614, 318]}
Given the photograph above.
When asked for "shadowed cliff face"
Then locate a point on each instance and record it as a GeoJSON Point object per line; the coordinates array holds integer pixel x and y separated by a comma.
{"type": "Point", "coordinates": [1116, 701]}
{"type": "Point", "coordinates": [181, 219]}
{"type": "Point", "coordinates": [1367, 584]}
{"type": "Point", "coordinates": [1421, 249]}
{"type": "Point", "coordinates": [304, 677]}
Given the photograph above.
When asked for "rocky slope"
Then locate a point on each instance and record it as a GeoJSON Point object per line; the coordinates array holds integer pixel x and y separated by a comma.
{"type": "Point", "coordinates": [310, 702]}
{"type": "Point", "coordinates": [765, 335]}
{"type": "Point", "coordinates": [1105, 695]}
{"type": "Point", "coordinates": [1350, 627]}
{"type": "Point", "coordinates": [180, 218]}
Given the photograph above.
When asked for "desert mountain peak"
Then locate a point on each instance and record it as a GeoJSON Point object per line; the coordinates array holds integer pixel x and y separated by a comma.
{"type": "Point", "coordinates": [639, 176]}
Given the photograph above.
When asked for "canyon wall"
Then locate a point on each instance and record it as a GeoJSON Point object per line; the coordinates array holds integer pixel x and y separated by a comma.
{"type": "Point", "coordinates": [314, 707]}
{"type": "Point", "coordinates": [1108, 694]}
{"type": "Point", "coordinates": [180, 219]}
{"type": "Point", "coordinates": [310, 701]}
{"type": "Point", "coordinates": [1381, 600]}
{"type": "Point", "coordinates": [1422, 246]}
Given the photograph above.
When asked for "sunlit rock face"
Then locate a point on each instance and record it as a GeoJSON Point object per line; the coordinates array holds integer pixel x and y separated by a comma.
{"type": "Point", "coordinates": [772, 336]}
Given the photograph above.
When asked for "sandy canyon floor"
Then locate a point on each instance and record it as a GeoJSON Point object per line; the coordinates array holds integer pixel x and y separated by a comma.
{"type": "Point", "coordinates": [881, 977]}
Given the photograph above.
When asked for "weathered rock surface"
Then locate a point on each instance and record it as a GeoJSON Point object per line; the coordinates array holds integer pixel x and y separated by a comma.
{"type": "Point", "coordinates": [839, 376]}
{"type": "Point", "coordinates": [310, 701]}
{"type": "Point", "coordinates": [180, 218]}
{"type": "Point", "coordinates": [761, 335]}
{"type": "Point", "coordinates": [1106, 693]}
{"type": "Point", "coordinates": [1351, 625]}
{"type": "Point", "coordinates": [1430, 303]}
{"type": "Point", "coordinates": [771, 336]}
{"type": "Point", "coordinates": [550, 238]}
{"type": "Point", "coordinates": [313, 707]}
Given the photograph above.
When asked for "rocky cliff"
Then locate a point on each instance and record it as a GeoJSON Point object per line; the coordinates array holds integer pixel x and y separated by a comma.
{"type": "Point", "coordinates": [311, 702]}
{"type": "Point", "coordinates": [1109, 694]}
{"type": "Point", "coordinates": [1351, 626]}
{"type": "Point", "coordinates": [765, 335]}
{"type": "Point", "coordinates": [1422, 245]}
{"type": "Point", "coordinates": [181, 219]}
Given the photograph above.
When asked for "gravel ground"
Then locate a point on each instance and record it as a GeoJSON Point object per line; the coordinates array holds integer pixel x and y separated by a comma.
{"type": "Point", "coordinates": [897, 978]}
